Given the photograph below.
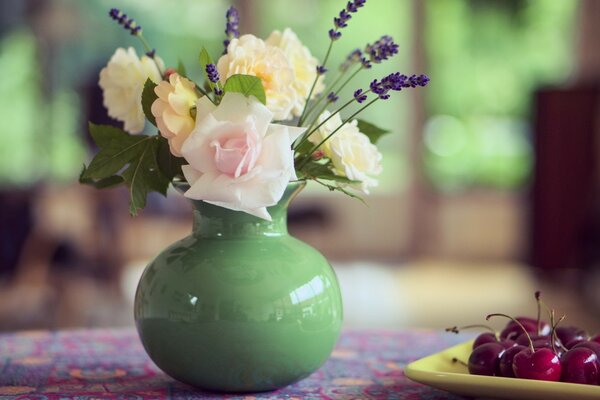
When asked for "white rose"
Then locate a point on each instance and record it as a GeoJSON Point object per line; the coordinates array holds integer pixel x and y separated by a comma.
{"type": "Point", "coordinates": [250, 55]}
{"type": "Point", "coordinates": [302, 62]}
{"type": "Point", "coordinates": [237, 158]}
{"type": "Point", "coordinates": [172, 110]}
{"type": "Point", "coordinates": [122, 82]}
{"type": "Point", "coordinates": [351, 152]}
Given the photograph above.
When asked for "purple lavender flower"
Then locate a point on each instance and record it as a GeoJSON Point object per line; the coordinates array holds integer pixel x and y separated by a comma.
{"type": "Point", "coordinates": [212, 73]}
{"type": "Point", "coordinates": [332, 97]}
{"type": "Point", "coordinates": [352, 59]}
{"type": "Point", "coordinates": [334, 35]}
{"type": "Point", "coordinates": [127, 23]}
{"type": "Point", "coordinates": [218, 91]}
{"type": "Point", "coordinates": [151, 53]}
{"type": "Point", "coordinates": [321, 70]}
{"type": "Point", "coordinates": [382, 49]}
{"type": "Point", "coordinates": [360, 96]}
{"type": "Point", "coordinates": [232, 26]}
{"type": "Point", "coordinates": [341, 21]}
{"type": "Point", "coordinates": [396, 82]}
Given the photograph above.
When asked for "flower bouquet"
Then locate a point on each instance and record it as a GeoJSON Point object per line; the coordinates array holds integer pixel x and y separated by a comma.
{"type": "Point", "coordinates": [257, 119]}
{"type": "Point", "coordinates": [240, 305]}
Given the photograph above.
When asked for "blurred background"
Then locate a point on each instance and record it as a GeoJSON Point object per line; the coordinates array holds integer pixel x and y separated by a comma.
{"type": "Point", "coordinates": [491, 180]}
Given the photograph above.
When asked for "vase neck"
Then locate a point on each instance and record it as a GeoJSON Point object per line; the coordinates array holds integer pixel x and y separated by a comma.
{"type": "Point", "coordinates": [211, 221]}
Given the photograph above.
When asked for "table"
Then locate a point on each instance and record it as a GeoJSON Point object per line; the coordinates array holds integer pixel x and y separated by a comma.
{"type": "Point", "coordinates": [111, 364]}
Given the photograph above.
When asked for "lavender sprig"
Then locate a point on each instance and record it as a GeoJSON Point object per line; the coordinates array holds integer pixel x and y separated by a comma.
{"type": "Point", "coordinates": [128, 23]}
{"type": "Point", "coordinates": [354, 57]}
{"type": "Point", "coordinates": [381, 50]}
{"type": "Point", "coordinates": [232, 25]}
{"type": "Point", "coordinates": [212, 73]}
{"type": "Point", "coordinates": [341, 21]}
{"type": "Point", "coordinates": [396, 82]}
{"type": "Point", "coordinates": [359, 96]}
{"type": "Point", "coordinates": [332, 97]}
{"type": "Point", "coordinates": [136, 30]}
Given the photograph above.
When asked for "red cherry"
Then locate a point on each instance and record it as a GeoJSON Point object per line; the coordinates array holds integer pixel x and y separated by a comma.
{"type": "Point", "coordinates": [507, 343]}
{"type": "Point", "coordinates": [568, 334]}
{"type": "Point", "coordinates": [580, 365]}
{"type": "Point", "coordinates": [523, 340]}
{"type": "Point", "coordinates": [542, 364]}
{"type": "Point", "coordinates": [485, 359]}
{"type": "Point", "coordinates": [483, 338]}
{"type": "Point", "coordinates": [594, 346]}
{"type": "Point", "coordinates": [596, 338]}
{"type": "Point", "coordinates": [506, 361]}
{"type": "Point", "coordinates": [513, 330]}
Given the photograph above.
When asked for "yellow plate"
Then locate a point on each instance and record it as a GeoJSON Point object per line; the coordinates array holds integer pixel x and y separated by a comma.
{"type": "Point", "coordinates": [439, 371]}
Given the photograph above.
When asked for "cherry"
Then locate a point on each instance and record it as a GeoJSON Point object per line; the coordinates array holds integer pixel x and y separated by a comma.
{"type": "Point", "coordinates": [523, 339]}
{"type": "Point", "coordinates": [485, 359]}
{"type": "Point", "coordinates": [512, 330]}
{"type": "Point", "coordinates": [531, 363]}
{"type": "Point", "coordinates": [596, 338]}
{"type": "Point", "coordinates": [541, 364]}
{"type": "Point", "coordinates": [507, 343]}
{"type": "Point", "coordinates": [506, 361]}
{"type": "Point", "coordinates": [484, 338]}
{"type": "Point", "coordinates": [580, 365]}
{"type": "Point", "coordinates": [594, 346]}
{"type": "Point", "coordinates": [569, 334]}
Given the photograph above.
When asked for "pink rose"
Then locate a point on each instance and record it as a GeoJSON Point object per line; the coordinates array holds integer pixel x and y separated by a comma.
{"type": "Point", "coordinates": [237, 158]}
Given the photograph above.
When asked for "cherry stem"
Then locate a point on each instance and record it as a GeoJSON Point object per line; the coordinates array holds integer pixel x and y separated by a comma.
{"type": "Point", "coordinates": [539, 312]}
{"type": "Point", "coordinates": [456, 360]}
{"type": "Point", "coordinates": [516, 322]}
{"type": "Point", "coordinates": [553, 336]}
{"type": "Point", "coordinates": [456, 329]}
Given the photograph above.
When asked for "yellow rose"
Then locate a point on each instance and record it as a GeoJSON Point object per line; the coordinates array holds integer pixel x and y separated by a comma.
{"type": "Point", "coordinates": [122, 82]}
{"type": "Point", "coordinates": [172, 110]}
{"type": "Point", "coordinates": [302, 62]}
{"type": "Point", "coordinates": [351, 152]}
{"type": "Point", "coordinates": [250, 55]}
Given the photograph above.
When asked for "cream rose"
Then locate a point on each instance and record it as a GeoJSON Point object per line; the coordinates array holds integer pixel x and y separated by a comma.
{"type": "Point", "coordinates": [237, 158]}
{"type": "Point", "coordinates": [172, 110]}
{"type": "Point", "coordinates": [250, 55]}
{"type": "Point", "coordinates": [351, 152]}
{"type": "Point", "coordinates": [122, 82]}
{"type": "Point", "coordinates": [302, 62]}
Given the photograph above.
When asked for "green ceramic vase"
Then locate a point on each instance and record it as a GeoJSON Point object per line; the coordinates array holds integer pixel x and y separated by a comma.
{"type": "Point", "coordinates": [239, 305]}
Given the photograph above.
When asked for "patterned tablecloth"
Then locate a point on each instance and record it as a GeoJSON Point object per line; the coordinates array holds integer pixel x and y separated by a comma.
{"type": "Point", "coordinates": [111, 364]}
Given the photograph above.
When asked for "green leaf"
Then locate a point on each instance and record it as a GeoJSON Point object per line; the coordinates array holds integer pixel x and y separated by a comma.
{"type": "Point", "coordinates": [148, 97]}
{"type": "Point", "coordinates": [204, 61]}
{"type": "Point", "coordinates": [372, 131]}
{"type": "Point", "coordinates": [181, 69]}
{"type": "Point", "coordinates": [169, 165]}
{"type": "Point", "coordinates": [111, 181]}
{"type": "Point", "coordinates": [247, 85]}
{"type": "Point", "coordinates": [144, 176]}
{"type": "Point", "coordinates": [117, 148]}
{"type": "Point", "coordinates": [128, 159]}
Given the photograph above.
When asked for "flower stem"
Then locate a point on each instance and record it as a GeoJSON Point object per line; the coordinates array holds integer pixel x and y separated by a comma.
{"type": "Point", "coordinates": [148, 50]}
{"type": "Point", "coordinates": [316, 117]}
{"type": "Point", "coordinates": [312, 88]}
{"type": "Point", "coordinates": [328, 89]}
{"type": "Point", "coordinates": [311, 131]}
{"type": "Point", "coordinates": [315, 147]}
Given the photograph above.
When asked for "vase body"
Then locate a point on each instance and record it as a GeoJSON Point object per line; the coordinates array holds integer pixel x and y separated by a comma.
{"type": "Point", "coordinates": [239, 305]}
